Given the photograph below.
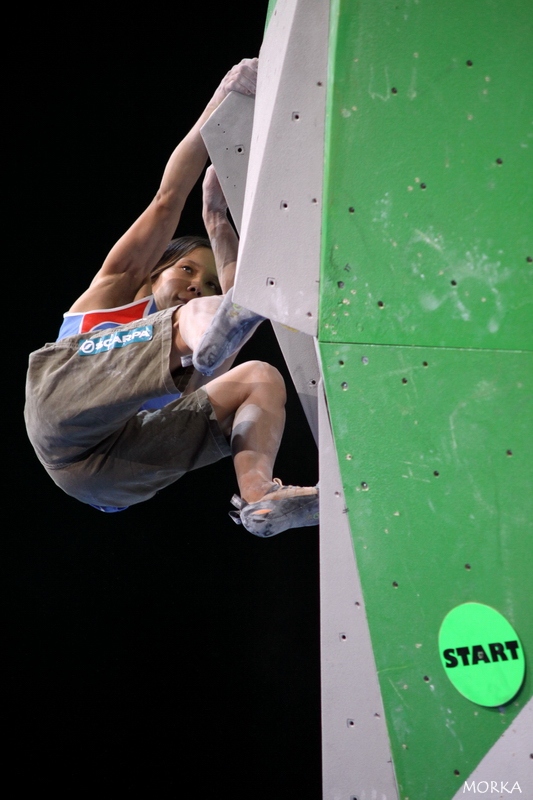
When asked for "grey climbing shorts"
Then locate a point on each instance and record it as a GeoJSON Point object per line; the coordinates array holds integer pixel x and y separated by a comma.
{"type": "Point", "coordinates": [83, 395]}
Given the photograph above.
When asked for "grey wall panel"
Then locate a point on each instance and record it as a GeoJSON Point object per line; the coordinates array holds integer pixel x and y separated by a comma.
{"type": "Point", "coordinates": [278, 267]}
{"type": "Point", "coordinates": [507, 769]}
{"type": "Point", "coordinates": [299, 352]}
{"type": "Point", "coordinates": [356, 756]}
{"type": "Point", "coordinates": [227, 135]}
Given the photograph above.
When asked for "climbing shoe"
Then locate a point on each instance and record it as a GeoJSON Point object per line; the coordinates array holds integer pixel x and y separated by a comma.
{"type": "Point", "coordinates": [281, 508]}
{"type": "Point", "coordinates": [227, 332]}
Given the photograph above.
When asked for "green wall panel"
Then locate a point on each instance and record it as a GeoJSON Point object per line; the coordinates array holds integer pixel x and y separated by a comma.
{"type": "Point", "coordinates": [427, 238]}
{"type": "Point", "coordinates": [434, 447]}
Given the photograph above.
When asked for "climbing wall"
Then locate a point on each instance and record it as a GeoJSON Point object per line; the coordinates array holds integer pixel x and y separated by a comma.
{"type": "Point", "coordinates": [383, 188]}
{"type": "Point", "coordinates": [426, 333]}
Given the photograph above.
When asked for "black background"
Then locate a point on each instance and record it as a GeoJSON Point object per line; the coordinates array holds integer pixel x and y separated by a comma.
{"type": "Point", "coordinates": [163, 649]}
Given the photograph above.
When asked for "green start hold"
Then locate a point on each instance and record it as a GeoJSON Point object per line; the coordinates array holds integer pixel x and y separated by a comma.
{"type": "Point", "coordinates": [496, 654]}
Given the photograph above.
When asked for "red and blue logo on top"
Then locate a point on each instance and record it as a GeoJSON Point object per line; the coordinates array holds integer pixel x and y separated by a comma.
{"type": "Point", "coordinates": [75, 323]}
